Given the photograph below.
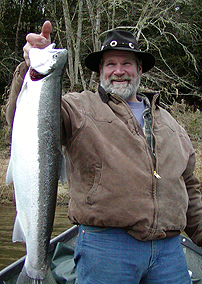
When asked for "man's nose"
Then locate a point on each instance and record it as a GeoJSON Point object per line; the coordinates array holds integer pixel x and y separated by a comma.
{"type": "Point", "coordinates": [119, 70]}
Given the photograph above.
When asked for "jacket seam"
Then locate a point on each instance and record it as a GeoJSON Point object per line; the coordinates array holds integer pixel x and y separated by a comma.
{"type": "Point", "coordinates": [78, 131]}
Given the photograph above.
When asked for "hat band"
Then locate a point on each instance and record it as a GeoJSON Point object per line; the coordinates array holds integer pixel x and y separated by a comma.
{"type": "Point", "coordinates": [114, 43]}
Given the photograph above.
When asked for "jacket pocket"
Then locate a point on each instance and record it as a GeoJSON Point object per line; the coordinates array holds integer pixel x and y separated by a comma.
{"type": "Point", "coordinates": [96, 180]}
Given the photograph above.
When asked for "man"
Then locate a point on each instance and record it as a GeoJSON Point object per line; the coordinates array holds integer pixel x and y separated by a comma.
{"type": "Point", "coordinates": [130, 171]}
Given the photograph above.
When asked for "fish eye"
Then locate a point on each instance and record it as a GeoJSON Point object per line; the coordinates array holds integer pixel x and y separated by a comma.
{"type": "Point", "coordinates": [55, 55]}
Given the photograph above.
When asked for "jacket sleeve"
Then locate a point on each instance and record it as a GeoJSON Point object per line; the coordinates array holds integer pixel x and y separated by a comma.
{"type": "Point", "coordinates": [194, 213]}
{"type": "Point", "coordinates": [15, 88]}
{"type": "Point", "coordinates": [72, 112]}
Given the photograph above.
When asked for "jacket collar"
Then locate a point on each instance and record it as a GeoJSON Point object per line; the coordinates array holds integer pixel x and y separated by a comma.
{"type": "Point", "coordinates": [103, 95]}
{"type": "Point", "coordinates": [154, 98]}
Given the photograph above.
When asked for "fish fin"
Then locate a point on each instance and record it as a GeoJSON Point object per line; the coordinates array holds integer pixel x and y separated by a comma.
{"type": "Point", "coordinates": [63, 170]}
{"type": "Point", "coordinates": [9, 174]}
{"type": "Point", "coordinates": [18, 234]}
{"type": "Point", "coordinates": [49, 278]}
{"type": "Point", "coordinates": [23, 278]}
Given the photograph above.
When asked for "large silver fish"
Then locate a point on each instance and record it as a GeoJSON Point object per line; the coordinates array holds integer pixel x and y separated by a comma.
{"type": "Point", "coordinates": [36, 158]}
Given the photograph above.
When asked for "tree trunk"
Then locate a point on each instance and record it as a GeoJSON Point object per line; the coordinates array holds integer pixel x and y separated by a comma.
{"type": "Point", "coordinates": [69, 42]}
{"type": "Point", "coordinates": [78, 40]}
{"type": "Point", "coordinates": [18, 28]}
{"type": "Point", "coordinates": [95, 22]}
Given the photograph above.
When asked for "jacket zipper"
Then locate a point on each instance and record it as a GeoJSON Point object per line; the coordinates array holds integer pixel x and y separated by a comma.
{"type": "Point", "coordinates": [157, 175]}
{"type": "Point", "coordinates": [137, 132]}
{"type": "Point", "coordinates": [153, 164]}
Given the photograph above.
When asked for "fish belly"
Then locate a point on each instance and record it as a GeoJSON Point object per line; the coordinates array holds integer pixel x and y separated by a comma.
{"type": "Point", "coordinates": [35, 198]}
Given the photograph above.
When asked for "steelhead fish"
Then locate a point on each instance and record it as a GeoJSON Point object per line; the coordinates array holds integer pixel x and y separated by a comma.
{"type": "Point", "coordinates": [36, 158]}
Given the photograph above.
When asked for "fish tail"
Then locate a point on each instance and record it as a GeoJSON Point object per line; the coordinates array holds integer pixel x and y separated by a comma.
{"type": "Point", "coordinates": [23, 278]}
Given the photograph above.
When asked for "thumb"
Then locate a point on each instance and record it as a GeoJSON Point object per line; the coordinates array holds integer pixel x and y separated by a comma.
{"type": "Point", "coordinates": [46, 30]}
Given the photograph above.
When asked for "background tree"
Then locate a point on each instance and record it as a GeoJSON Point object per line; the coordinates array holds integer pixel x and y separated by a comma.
{"type": "Point", "coordinates": [171, 30]}
{"type": "Point", "coordinates": [17, 18]}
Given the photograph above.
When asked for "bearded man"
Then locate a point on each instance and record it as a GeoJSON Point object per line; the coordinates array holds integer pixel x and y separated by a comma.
{"type": "Point", "coordinates": [130, 170]}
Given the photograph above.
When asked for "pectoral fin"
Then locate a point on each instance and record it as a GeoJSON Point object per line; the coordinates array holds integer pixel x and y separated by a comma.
{"type": "Point", "coordinates": [18, 232]}
{"type": "Point", "coordinates": [9, 174]}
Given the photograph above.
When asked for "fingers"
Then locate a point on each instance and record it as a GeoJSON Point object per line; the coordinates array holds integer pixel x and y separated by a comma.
{"type": "Point", "coordinates": [37, 40]}
{"type": "Point", "coordinates": [41, 40]}
{"type": "Point", "coordinates": [33, 40]}
{"type": "Point", "coordinates": [26, 50]}
{"type": "Point", "coordinates": [46, 30]}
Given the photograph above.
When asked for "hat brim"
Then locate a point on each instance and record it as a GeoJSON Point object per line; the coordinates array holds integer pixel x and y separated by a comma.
{"type": "Point", "coordinates": [92, 61]}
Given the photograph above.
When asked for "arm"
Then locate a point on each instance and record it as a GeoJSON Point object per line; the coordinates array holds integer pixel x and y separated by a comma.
{"type": "Point", "coordinates": [15, 88]}
{"type": "Point", "coordinates": [194, 213]}
{"type": "Point", "coordinates": [33, 40]}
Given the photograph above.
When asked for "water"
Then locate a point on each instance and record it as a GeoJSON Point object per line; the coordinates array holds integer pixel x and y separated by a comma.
{"type": "Point", "coordinates": [10, 252]}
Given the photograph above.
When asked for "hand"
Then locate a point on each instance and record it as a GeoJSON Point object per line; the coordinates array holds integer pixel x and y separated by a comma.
{"type": "Point", "coordinates": [36, 40]}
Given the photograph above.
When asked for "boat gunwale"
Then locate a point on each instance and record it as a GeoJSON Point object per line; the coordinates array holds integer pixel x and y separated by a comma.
{"type": "Point", "coordinates": [15, 267]}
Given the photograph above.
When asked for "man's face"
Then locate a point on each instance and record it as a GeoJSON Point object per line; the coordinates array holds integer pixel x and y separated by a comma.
{"type": "Point", "coordinates": [119, 74]}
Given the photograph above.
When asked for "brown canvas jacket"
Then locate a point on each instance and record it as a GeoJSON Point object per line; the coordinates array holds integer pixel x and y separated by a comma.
{"type": "Point", "coordinates": [114, 179]}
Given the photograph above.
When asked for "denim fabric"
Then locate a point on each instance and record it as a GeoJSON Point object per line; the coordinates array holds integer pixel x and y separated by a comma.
{"type": "Point", "coordinates": [111, 256]}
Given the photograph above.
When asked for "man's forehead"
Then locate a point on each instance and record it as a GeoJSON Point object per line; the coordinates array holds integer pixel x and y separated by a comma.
{"type": "Point", "coordinates": [118, 53]}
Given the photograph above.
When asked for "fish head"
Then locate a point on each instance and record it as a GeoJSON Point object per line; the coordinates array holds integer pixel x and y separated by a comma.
{"type": "Point", "coordinates": [58, 60]}
{"type": "Point", "coordinates": [45, 60]}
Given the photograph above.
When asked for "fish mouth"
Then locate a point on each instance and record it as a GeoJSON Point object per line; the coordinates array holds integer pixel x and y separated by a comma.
{"type": "Point", "coordinates": [35, 76]}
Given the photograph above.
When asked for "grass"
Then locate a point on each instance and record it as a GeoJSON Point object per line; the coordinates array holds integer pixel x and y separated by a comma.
{"type": "Point", "coordinates": [192, 121]}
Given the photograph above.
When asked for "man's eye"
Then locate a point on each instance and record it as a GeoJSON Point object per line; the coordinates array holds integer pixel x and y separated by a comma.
{"type": "Point", "coordinates": [127, 63]}
{"type": "Point", "coordinates": [110, 64]}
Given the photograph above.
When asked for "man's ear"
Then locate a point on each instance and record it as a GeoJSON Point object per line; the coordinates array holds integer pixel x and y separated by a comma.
{"type": "Point", "coordinates": [140, 69]}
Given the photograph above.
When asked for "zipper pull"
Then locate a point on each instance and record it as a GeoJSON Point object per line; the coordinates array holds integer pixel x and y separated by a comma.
{"type": "Point", "coordinates": [157, 175]}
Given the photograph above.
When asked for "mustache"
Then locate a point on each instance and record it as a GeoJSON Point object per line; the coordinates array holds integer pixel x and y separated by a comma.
{"type": "Point", "coordinates": [121, 78]}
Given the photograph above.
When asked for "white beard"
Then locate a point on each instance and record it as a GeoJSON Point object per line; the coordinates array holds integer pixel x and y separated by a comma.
{"type": "Point", "coordinates": [124, 91]}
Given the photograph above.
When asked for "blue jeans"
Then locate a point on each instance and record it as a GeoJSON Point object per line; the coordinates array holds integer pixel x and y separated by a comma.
{"type": "Point", "coordinates": [112, 256]}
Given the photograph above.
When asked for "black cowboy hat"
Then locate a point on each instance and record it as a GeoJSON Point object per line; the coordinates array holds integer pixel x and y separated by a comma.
{"type": "Point", "coordinates": [120, 40]}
